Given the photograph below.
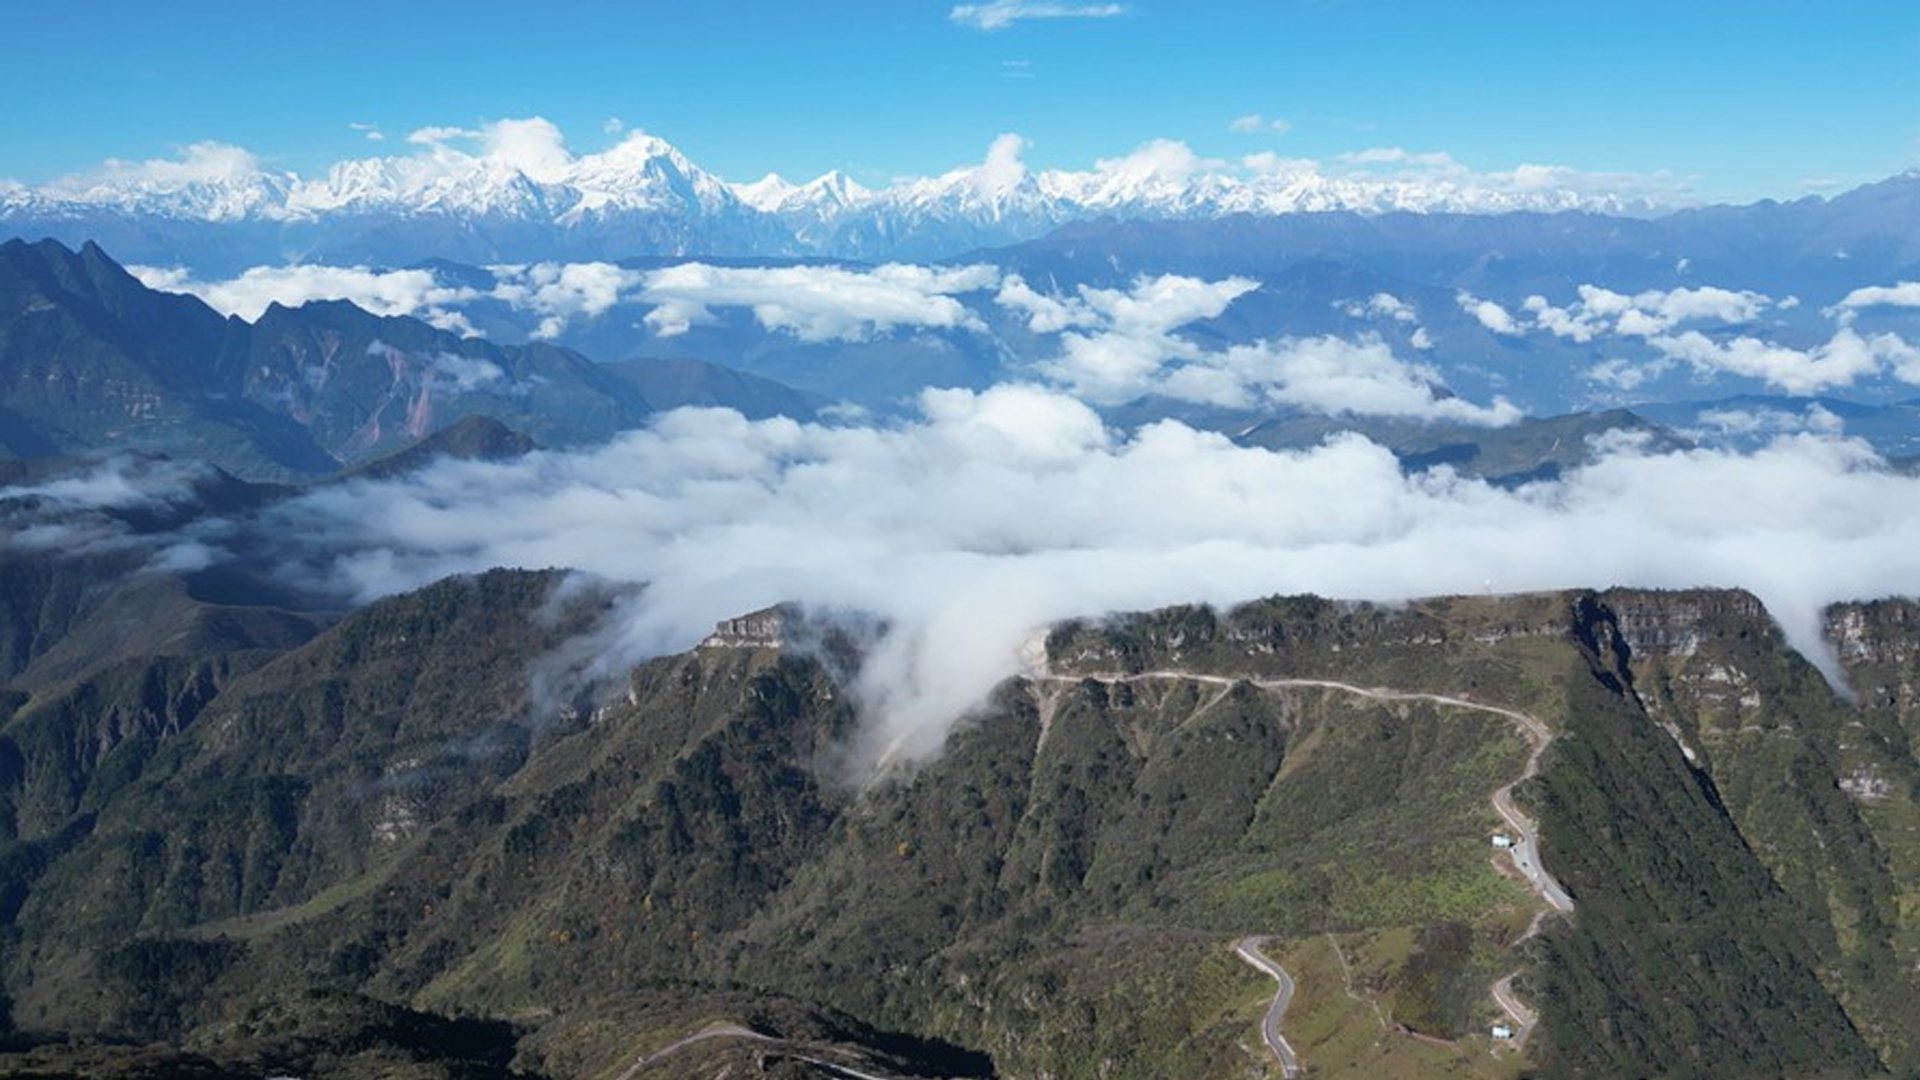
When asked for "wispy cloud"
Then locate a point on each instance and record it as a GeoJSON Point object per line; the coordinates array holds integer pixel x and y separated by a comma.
{"type": "Point", "coordinates": [1254, 124]}
{"type": "Point", "coordinates": [1001, 14]}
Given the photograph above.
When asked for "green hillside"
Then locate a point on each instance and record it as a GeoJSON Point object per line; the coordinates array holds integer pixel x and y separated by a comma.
{"type": "Point", "coordinates": [405, 817]}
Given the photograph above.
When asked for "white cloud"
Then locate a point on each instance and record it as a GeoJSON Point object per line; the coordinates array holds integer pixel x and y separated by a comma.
{"type": "Point", "coordinates": [563, 292]}
{"type": "Point", "coordinates": [1119, 345]}
{"type": "Point", "coordinates": [1046, 314]}
{"type": "Point", "coordinates": [435, 135]}
{"type": "Point", "coordinates": [466, 373]}
{"type": "Point", "coordinates": [1000, 14]}
{"type": "Point", "coordinates": [1816, 419]}
{"type": "Point", "coordinates": [1490, 315]}
{"type": "Point", "coordinates": [383, 292]}
{"type": "Point", "coordinates": [82, 513]}
{"type": "Point", "coordinates": [1845, 359]}
{"type": "Point", "coordinates": [1025, 426]}
{"type": "Point", "coordinates": [817, 303]}
{"type": "Point", "coordinates": [117, 483]}
{"type": "Point", "coordinates": [1624, 374]}
{"type": "Point", "coordinates": [813, 303]}
{"type": "Point", "coordinates": [534, 146]}
{"type": "Point", "coordinates": [213, 180]}
{"type": "Point", "coordinates": [1113, 368]}
{"type": "Point", "coordinates": [1380, 305]}
{"type": "Point", "coordinates": [998, 175]}
{"type": "Point", "coordinates": [1336, 376]}
{"type": "Point", "coordinates": [201, 162]}
{"type": "Point", "coordinates": [1254, 123]}
{"type": "Point", "coordinates": [1124, 338]}
{"type": "Point", "coordinates": [1394, 155]}
{"type": "Point", "coordinates": [173, 279]}
{"type": "Point", "coordinates": [1164, 160]}
{"type": "Point", "coordinates": [1003, 168]}
{"type": "Point", "coordinates": [1602, 311]}
{"type": "Point", "coordinates": [1906, 294]}
{"type": "Point", "coordinates": [996, 513]}
{"type": "Point", "coordinates": [1562, 322]}
{"type": "Point", "coordinates": [1269, 164]}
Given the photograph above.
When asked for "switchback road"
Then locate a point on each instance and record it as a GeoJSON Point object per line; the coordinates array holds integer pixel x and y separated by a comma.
{"type": "Point", "coordinates": [1525, 850]}
{"type": "Point", "coordinates": [1248, 949]}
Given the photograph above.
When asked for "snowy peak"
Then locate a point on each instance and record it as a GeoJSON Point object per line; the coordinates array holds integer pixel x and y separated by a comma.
{"type": "Point", "coordinates": [437, 185]}
{"type": "Point", "coordinates": [644, 172]}
{"type": "Point", "coordinates": [823, 196]}
{"type": "Point", "coordinates": [522, 181]}
{"type": "Point", "coordinates": [766, 194]}
{"type": "Point", "coordinates": [835, 189]}
{"type": "Point", "coordinates": [210, 182]}
{"type": "Point", "coordinates": [643, 196]}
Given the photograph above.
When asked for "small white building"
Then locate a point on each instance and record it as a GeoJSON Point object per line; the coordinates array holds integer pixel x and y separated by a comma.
{"type": "Point", "coordinates": [1502, 1031]}
{"type": "Point", "coordinates": [1502, 840]}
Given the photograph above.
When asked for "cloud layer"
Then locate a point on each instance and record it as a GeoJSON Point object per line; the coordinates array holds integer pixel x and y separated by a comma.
{"type": "Point", "coordinates": [817, 303]}
{"type": "Point", "coordinates": [994, 513]}
{"type": "Point", "coordinates": [1108, 346]}
{"type": "Point", "coordinates": [1712, 332]}
{"type": "Point", "coordinates": [383, 292]}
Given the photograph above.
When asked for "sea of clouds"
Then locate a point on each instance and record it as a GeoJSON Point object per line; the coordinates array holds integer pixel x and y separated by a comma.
{"type": "Point", "coordinates": [970, 527]}
{"type": "Point", "coordinates": [977, 518]}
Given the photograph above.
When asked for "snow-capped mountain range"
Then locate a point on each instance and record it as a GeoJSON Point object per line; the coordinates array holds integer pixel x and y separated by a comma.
{"type": "Point", "coordinates": [513, 190]}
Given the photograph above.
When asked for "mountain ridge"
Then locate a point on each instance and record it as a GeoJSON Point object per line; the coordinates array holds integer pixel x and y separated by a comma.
{"type": "Point", "coordinates": [644, 196]}
{"type": "Point", "coordinates": [1080, 850]}
{"type": "Point", "coordinates": [92, 360]}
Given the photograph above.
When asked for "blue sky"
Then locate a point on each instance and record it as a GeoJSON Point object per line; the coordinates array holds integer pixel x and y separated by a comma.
{"type": "Point", "coordinates": [1741, 100]}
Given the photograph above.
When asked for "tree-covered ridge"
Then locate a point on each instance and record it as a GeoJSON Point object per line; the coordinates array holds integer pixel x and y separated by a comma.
{"type": "Point", "coordinates": [388, 814]}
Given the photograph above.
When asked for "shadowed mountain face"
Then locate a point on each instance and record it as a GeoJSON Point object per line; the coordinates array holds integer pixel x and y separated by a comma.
{"type": "Point", "coordinates": [423, 805]}
{"type": "Point", "coordinates": [91, 359]}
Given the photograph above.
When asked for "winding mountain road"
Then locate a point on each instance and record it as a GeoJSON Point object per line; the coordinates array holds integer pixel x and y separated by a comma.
{"type": "Point", "coordinates": [1524, 1018]}
{"type": "Point", "coordinates": [711, 1031]}
{"type": "Point", "coordinates": [1248, 949]}
{"type": "Point", "coordinates": [1525, 851]}
{"type": "Point", "coordinates": [735, 1031]}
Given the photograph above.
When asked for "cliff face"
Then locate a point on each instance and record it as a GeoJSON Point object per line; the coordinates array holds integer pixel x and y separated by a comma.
{"type": "Point", "coordinates": [765, 629]}
{"type": "Point", "coordinates": [1823, 791]}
